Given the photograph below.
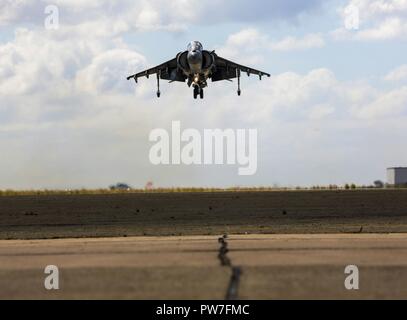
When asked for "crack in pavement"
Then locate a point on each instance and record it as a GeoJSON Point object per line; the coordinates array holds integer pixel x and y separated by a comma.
{"type": "Point", "coordinates": [233, 287]}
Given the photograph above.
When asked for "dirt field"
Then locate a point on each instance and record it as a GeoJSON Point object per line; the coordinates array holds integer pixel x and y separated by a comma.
{"type": "Point", "coordinates": [151, 214]}
{"type": "Point", "coordinates": [272, 267]}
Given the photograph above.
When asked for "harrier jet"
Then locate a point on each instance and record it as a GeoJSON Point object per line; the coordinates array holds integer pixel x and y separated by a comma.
{"type": "Point", "coordinates": [196, 66]}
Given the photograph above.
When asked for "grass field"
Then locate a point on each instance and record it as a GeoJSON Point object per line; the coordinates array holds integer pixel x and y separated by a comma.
{"type": "Point", "coordinates": [42, 192]}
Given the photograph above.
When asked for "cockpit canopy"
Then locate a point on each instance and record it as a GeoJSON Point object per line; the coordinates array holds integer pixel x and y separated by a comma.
{"type": "Point", "coordinates": [195, 46]}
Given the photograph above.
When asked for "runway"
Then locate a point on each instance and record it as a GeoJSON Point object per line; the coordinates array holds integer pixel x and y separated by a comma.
{"type": "Point", "coordinates": [190, 267]}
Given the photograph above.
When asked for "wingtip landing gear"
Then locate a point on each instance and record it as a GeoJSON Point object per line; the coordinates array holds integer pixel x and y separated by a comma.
{"type": "Point", "coordinates": [239, 91]}
{"type": "Point", "coordinates": [158, 85]}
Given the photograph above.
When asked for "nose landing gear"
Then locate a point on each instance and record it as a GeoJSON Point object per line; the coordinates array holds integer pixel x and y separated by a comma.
{"type": "Point", "coordinates": [198, 92]}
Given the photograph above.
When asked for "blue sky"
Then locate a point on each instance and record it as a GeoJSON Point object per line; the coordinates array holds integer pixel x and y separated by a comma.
{"type": "Point", "coordinates": [334, 110]}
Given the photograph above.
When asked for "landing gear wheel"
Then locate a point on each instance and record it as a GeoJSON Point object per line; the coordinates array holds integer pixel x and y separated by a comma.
{"type": "Point", "coordinates": [201, 94]}
{"type": "Point", "coordinates": [239, 92]}
{"type": "Point", "coordinates": [196, 92]}
{"type": "Point", "coordinates": [158, 94]}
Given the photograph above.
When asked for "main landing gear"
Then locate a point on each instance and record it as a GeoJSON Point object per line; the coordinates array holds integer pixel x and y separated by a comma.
{"type": "Point", "coordinates": [198, 91]}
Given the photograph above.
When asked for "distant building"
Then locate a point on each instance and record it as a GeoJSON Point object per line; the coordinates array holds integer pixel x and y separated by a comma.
{"type": "Point", "coordinates": [397, 176]}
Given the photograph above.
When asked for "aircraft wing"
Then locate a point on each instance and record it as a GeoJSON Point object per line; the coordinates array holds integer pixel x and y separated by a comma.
{"type": "Point", "coordinates": [226, 70]}
{"type": "Point", "coordinates": [167, 71]}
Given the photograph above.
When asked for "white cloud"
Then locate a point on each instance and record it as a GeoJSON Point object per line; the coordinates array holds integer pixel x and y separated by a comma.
{"type": "Point", "coordinates": [245, 45]}
{"type": "Point", "coordinates": [107, 71]}
{"type": "Point", "coordinates": [320, 112]}
{"type": "Point", "coordinates": [155, 14]}
{"type": "Point", "coordinates": [389, 104]}
{"type": "Point", "coordinates": [390, 28]}
{"type": "Point", "coordinates": [398, 74]}
{"type": "Point", "coordinates": [250, 37]}
{"type": "Point", "coordinates": [250, 45]}
{"type": "Point", "coordinates": [36, 60]}
{"type": "Point", "coordinates": [297, 43]}
{"type": "Point", "coordinates": [11, 10]}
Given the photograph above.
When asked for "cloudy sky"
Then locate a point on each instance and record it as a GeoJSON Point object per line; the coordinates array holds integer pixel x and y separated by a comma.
{"type": "Point", "coordinates": [334, 110]}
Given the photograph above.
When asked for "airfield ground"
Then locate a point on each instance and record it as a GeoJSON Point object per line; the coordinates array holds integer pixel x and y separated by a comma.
{"type": "Point", "coordinates": [292, 244]}
{"type": "Point", "coordinates": [272, 267]}
{"type": "Point", "coordinates": [179, 214]}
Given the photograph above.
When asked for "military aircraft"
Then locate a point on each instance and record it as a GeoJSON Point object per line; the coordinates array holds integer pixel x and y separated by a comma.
{"type": "Point", "coordinates": [196, 66]}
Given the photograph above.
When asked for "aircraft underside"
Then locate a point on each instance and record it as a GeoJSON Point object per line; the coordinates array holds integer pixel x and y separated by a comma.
{"type": "Point", "coordinates": [198, 82]}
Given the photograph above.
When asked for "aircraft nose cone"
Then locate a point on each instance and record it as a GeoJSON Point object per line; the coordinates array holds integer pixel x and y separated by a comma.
{"type": "Point", "coordinates": [194, 57]}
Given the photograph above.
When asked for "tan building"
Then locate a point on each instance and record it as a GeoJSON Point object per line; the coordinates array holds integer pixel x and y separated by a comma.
{"type": "Point", "coordinates": [397, 176]}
